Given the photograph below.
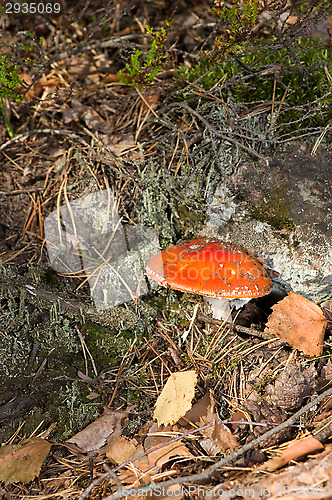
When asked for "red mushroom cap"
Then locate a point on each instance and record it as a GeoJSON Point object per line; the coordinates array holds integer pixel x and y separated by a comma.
{"type": "Point", "coordinates": [211, 268]}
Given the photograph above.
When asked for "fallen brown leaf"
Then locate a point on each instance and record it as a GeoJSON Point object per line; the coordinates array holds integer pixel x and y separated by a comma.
{"type": "Point", "coordinates": [92, 119]}
{"type": "Point", "coordinates": [118, 144]}
{"type": "Point", "coordinates": [294, 451]}
{"type": "Point", "coordinates": [143, 469]}
{"type": "Point", "coordinates": [121, 449]}
{"type": "Point", "coordinates": [217, 438]}
{"type": "Point", "coordinates": [22, 462]}
{"type": "Point", "coordinates": [197, 411]}
{"type": "Point", "coordinates": [158, 434]}
{"type": "Point", "coordinates": [162, 455]}
{"type": "Point", "coordinates": [237, 417]}
{"type": "Point", "coordinates": [299, 322]}
{"type": "Point", "coordinates": [100, 432]}
{"type": "Point", "coordinates": [27, 82]}
{"type": "Point", "coordinates": [112, 77]}
{"type": "Point", "coordinates": [152, 98]}
{"type": "Point", "coordinates": [139, 471]}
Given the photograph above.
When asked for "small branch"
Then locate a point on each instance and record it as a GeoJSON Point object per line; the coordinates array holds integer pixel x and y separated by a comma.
{"type": "Point", "coordinates": [239, 328]}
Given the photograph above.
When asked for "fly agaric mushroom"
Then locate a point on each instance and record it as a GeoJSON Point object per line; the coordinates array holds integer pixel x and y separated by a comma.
{"type": "Point", "coordinates": [217, 270]}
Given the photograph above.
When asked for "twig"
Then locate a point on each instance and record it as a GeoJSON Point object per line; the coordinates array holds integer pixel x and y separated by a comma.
{"type": "Point", "coordinates": [21, 191]}
{"type": "Point", "coordinates": [319, 139]}
{"type": "Point", "coordinates": [124, 360]}
{"type": "Point", "coordinates": [208, 473]}
{"type": "Point", "coordinates": [113, 476]}
{"type": "Point", "coordinates": [158, 355]}
{"type": "Point", "coordinates": [85, 350]}
{"type": "Point", "coordinates": [238, 328]}
{"type": "Point", "coordinates": [111, 472]}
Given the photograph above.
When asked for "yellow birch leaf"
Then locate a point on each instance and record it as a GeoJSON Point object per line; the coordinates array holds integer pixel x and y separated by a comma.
{"type": "Point", "coordinates": [175, 398]}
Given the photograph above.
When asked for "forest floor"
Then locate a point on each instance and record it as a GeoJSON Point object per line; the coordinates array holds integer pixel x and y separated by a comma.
{"type": "Point", "coordinates": [137, 112]}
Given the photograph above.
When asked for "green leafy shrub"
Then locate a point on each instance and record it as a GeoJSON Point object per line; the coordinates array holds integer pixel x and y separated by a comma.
{"type": "Point", "coordinates": [142, 70]}
{"type": "Point", "coordinates": [9, 83]}
{"type": "Point", "coordinates": [239, 19]}
{"type": "Point", "coordinates": [299, 80]}
{"type": "Point", "coordinates": [9, 79]}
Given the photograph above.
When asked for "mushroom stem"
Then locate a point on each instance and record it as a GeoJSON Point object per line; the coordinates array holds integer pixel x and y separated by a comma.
{"type": "Point", "coordinates": [221, 307]}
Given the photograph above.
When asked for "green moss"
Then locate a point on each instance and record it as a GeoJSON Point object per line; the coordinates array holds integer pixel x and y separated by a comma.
{"type": "Point", "coordinates": [50, 277]}
{"type": "Point", "coordinates": [107, 346]}
{"type": "Point", "coordinates": [273, 209]}
{"type": "Point", "coordinates": [41, 354]}
{"type": "Point", "coordinates": [189, 217]}
{"type": "Point", "coordinates": [72, 412]}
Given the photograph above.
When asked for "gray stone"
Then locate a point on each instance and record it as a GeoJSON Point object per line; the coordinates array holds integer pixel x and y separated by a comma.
{"type": "Point", "coordinates": [282, 209]}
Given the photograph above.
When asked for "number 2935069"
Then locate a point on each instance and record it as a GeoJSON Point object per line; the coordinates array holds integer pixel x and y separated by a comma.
{"type": "Point", "coordinates": [32, 8]}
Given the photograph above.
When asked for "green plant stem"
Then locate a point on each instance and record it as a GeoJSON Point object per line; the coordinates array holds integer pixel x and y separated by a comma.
{"type": "Point", "coordinates": [9, 127]}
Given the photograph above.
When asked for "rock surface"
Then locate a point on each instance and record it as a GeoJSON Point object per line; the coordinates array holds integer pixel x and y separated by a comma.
{"type": "Point", "coordinates": [282, 210]}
